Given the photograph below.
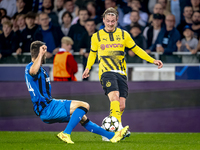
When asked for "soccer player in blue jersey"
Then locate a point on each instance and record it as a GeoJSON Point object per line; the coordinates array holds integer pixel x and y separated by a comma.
{"type": "Point", "coordinates": [51, 110]}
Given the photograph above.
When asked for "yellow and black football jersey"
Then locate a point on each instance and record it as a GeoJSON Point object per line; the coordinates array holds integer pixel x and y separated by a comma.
{"type": "Point", "coordinates": [110, 47]}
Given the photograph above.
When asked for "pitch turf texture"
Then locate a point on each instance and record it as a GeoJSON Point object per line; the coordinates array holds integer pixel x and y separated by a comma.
{"type": "Point", "coordinates": [88, 141]}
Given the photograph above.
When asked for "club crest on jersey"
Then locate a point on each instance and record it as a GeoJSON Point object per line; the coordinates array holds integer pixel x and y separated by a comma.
{"type": "Point", "coordinates": [108, 84]}
{"type": "Point", "coordinates": [103, 46]}
{"type": "Point", "coordinates": [118, 38]}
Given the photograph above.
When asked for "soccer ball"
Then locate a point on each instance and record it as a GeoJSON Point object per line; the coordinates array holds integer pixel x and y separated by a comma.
{"type": "Point", "coordinates": [110, 123]}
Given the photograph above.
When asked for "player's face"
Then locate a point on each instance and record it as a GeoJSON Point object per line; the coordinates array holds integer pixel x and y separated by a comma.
{"type": "Point", "coordinates": [110, 22]}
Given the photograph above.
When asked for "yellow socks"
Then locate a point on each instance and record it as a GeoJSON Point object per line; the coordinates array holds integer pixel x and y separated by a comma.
{"type": "Point", "coordinates": [115, 110]}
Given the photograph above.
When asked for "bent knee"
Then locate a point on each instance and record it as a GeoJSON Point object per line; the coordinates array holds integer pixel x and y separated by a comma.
{"type": "Point", "coordinates": [86, 105]}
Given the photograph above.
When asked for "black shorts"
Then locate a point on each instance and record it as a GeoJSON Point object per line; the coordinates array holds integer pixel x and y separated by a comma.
{"type": "Point", "coordinates": [112, 81]}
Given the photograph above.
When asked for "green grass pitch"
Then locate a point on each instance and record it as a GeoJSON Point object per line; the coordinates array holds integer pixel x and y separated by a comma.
{"type": "Point", "coordinates": [89, 141]}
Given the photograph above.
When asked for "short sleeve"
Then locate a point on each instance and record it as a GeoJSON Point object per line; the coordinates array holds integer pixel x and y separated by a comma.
{"type": "Point", "coordinates": [129, 43]}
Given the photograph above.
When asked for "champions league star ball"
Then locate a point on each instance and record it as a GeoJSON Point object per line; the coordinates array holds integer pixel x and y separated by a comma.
{"type": "Point", "coordinates": [110, 123]}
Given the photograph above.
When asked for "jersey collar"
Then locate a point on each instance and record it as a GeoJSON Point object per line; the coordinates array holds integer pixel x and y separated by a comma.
{"type": "Point", "coordinates": [110, 32]}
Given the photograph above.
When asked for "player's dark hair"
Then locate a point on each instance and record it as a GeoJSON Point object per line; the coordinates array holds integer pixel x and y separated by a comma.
{"type": "Point", "coordinates": [35, 48]}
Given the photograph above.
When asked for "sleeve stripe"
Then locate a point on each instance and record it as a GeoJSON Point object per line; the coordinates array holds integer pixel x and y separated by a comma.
{"type": "Point", "coordinates": [93, 50]}
{"type": "Point", "coordinates": [98, 36]}
{"type": "Point", "coordinates": [133, 46]}
{"type": "Point", "coordinates": [122, 34]}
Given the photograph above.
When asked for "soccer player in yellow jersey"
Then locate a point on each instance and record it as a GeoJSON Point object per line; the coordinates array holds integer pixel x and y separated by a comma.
{"type": "Point", "coordinates": [109, 43]}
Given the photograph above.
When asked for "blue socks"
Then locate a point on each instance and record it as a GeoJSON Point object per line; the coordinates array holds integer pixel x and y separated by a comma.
{"type": "Point", "coordinates": [75, 119]}
{"type": "Point", "coordinates": [94, 128]}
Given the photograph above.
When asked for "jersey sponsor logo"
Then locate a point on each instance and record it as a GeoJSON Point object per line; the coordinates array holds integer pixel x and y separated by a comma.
{"type": "Point", "coordinates": [103, 46]}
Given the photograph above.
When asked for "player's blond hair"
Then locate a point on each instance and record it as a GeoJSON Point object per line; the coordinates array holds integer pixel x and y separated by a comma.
{"type": "Point", "coordinates": [110, 11]}
{"type": "Point", "coordinates": [67, 40]}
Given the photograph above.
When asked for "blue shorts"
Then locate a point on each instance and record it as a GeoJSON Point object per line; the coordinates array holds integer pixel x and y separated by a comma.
{"type": "Point", "coordinates": [56, 111]}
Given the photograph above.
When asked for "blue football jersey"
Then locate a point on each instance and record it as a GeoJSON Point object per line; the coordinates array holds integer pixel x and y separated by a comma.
{"type": "Point", "coordinates": [39, 87]}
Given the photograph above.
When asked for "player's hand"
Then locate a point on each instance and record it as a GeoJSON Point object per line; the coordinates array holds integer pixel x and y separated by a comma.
{"type": "Point", "coordinates": [86, 73]}
{"type": "Point", "coordinates": [43, 49]}
{"type": "Point", "coordinates": [158, 63]}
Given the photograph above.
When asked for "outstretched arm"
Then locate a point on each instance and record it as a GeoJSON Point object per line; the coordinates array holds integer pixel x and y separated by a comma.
{"type": "Point", "coordinates": [38, 61]}
{"type": "Point", "coordinates": [142, 54]}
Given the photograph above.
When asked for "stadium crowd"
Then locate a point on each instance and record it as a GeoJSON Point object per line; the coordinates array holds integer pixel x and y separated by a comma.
{"type": "Point", "coordinates": [160, 26]}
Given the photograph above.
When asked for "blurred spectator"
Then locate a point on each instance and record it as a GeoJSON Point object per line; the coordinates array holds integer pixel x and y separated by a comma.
{"type": "Point", "coordinates": [91, 7]}
{"type": "Point", "coordinates": [21, 27]}
{"type": "Point", "coordinates": [188, 44]}
{"type": "Point", "coordinates": [164, 5]}
{"type": "Point", "coordinates": [151, 32]}
{"type": "Point", "coordinates": [176, 10]}
{"type": "Point", "coordinates": [113, 3]}
{"type": "Point", "coordinates": [76, 18]}
{"type": "Point", "coordinates": [151, 5]}
{"type": "Point", "coordinates": [158, 9]}
{"type": "Point", "coordinates": [137, 37]}
{"type": "Point", "coordinates": [195, 5]}
{"type": "Point", "coordinates": [3, 12]}
{"type": "Point", "coordinates": [64, 64]}
{"type": "Point", "coordinates": [85, 43]}
{"type": "Point", "coordinates": [15, 27]}
{"type": "Point", "coordinates": [28, 32]}
{"type": "Point", "coordinates": [196, 24]}
{"type": "Point", "coordinates": [135, 5]}
{"type": "Point", "coordinates": [3, 19]}
{"type": "Point", "coordinates": [37, 6]}
{"type": "Point", "coordinates": [187, 13]}
{"type": "Point", "coordinates": [198, 46]}
{"type": "Point", "coordinates": [21, 9]}
{"type": "Point", "coordinates": [47, 7]}
{"type": "Point", "coordinates": [48, 33]}
{"type": "Point", "coordinates": [58, 6]}
{"type": "Point", "coordinates": [134, 17]}
{"type": "Point", "coordinates": [77, 31]}
{"type": "Point", "coordinates": [37, 19]}
{"type": "Point", "coordinates": [21, 22]}
{"type": "Point", "coordinates": [10, 6]}
{"type": "Point", "coordinates": [67, 19]}
{"type": "Point", "coordinates": [68, 6]}
{"type": "Point", "coordinates": [167, 38]}
{"type": "Point", "coordinates": [8, 40]}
